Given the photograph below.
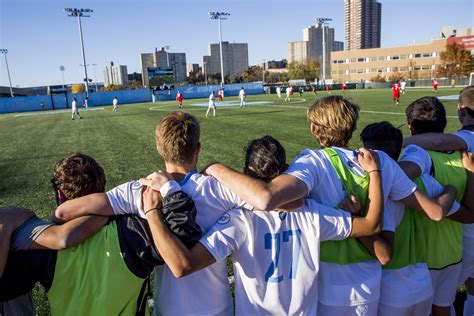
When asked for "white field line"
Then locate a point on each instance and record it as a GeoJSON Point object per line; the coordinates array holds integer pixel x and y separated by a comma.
{"type": "Point", "coordinates": [56, 112]}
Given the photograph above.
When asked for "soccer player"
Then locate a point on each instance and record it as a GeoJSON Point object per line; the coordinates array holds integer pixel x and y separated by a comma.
{"type": "Point", "coordinates": [445, 246]}
{"type": "Point", "coordinates": [292, 91]}
{"type": "Point", "coordinates": [211, 105]}
{"type": "Point", "coordinates": [313, 89]}
{"type": "Point", "coordinates": [178, 142]}
{"type": "Point", "coordinates": [86, 102]}
{"type": "Point", "coordinates": [105, 274]}
{"type": "Point", "coordinates": [301, 91]}
{"type": "Point", "coordinates": [74, 109]}
{"type": "Point", "coordinates": [406, 287]}
{"type": "Point", "coordinates": [179, 98]}
{"type": "Point", "coordinates": [396, 92]}
{"type": "Point", "coordinates": [242, 97]}
{"type": "Point", "coordinates": [219, 95]}
{"type": "Point", "coordinates": [435, 85]}
{"type": "Point", "coordinates": [288, 94]}
{"type": "Point", "coordinates": [115, 104]}
{"type": "Point", "coordinates": [403, 84]}
{"type": "Point", "coordinates": [275, 254]}
{"type": "Point", "coordinates": [328, 88]}
{"type": "Point", "coordinates": [347, 285]}
{"type": "Point", "coordinates": [344, 87]}
{"type": "Point", "coordinates": [278, 92]}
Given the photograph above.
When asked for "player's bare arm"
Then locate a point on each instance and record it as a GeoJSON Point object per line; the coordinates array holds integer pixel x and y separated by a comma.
{"type": "Point", "coordinates": [92, 204]}
{"type": "Point", "coordinates": [263, 196]}
{"type": "Point", "coordinates": [411, 169]}
{"type": "Point", "coordinates": [436, 141]}
{"type": "Point", "coordinates": [179, 259]}
{"type": "Point", "coordinates": [10, 219]}
{"type": "Point", "coordinates": [465, 214]}
{"type": "Point", "coordinates": [380, 246]}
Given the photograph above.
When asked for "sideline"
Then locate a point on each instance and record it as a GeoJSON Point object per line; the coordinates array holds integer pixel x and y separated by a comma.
{"type": "Point", "coordinates": [56, 112]}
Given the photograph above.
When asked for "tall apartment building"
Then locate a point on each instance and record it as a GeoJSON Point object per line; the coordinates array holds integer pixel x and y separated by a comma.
{"type": "Point", "coordinates": [115, 74]}
{"type": "Point", "coordinates": [362, 20]}
{"type": "Point", "coordinates": [234, 55]}
{"type": "Point", "coordinates": [191, 68]}
{"type": "Point", "coordinates": [162, 60]}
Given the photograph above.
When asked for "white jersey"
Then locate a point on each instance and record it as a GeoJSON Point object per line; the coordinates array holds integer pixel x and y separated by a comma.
{"type": "Point", "coordinates": [74, 106]}
{"type": "Point", "coordinates": [115, 102]}
{"type": "Point", "coordinates": [278, 90]}
{"type": "Point", "coordinates": [403, 84]}
{"type": "Point", "coordinates": [409, 285]}
{"type": "Point", "coordinates": [288, 91]}
{"type": "Point", "coordinates": [211, 99]}
{"type": "Point", "coordinates": [276, 255]}
{"type": "Point", "coordinates": [355, 283]}
{"type": "Point", "coordinates": [242, 94]}
{"type": "Point", "coordinates": [189, 295]}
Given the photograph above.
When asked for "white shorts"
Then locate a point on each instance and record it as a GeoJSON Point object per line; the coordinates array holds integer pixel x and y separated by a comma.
{"type": "Point", "coordinates": [369, 309]}
{"type": "Point", "coordinates": [212, 105]}
{"type": "Point", "coordinates": [445, 283]}
{"type": "Point", "coordinates": [467, 270]}
{"type": "Point", "coordinates": [422, 308]}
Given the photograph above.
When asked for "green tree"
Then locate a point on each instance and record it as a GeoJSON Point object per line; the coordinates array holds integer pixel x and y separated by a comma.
{"type": "Point", "coordinates": [309, 71]}
{"type": "Point", "coordinates": [456, 61]}
{"type": "Point", "coordinates": [113, 87]}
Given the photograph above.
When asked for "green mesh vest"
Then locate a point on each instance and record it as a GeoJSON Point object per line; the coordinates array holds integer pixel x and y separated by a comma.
{"type": "Point", "coordinates": [349, 250]}
{"type": "Point", "coordinates": [410, 242]}
{"type": "Point", "coordinates": [93, 279]}
{"type": "Point", "coordinates": [444, 238]}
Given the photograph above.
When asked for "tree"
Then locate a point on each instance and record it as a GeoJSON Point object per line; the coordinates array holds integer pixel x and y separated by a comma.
{"type": "Point", "coordinates": [77, 88]}
{"type": "Point", "coordinates": [113, 87]}
{"type": "Point", "coordinates": [308, 72]}
{"type": "Point", "coordinates": [456, 61]}
{"type": "Point", "coordinates": [378, 78]}
{"type": "Point", "coordinates": [396, 76]}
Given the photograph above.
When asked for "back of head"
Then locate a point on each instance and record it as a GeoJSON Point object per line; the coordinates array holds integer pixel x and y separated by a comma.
{"type": "Point", "coordinates": [265, 158]}
{"type": "Point", "coordinates": [78, 175]}
{"type": "Point", "coordinates": [177, 137]}
{"type": "Point", "coordinates": [383, 136]}
{"type": "Point", "coordinates": [426, 115]}
{"type": "Point", "coordinates": [466, 99]}
{"type": "Point", "coordinates": [335, 119]}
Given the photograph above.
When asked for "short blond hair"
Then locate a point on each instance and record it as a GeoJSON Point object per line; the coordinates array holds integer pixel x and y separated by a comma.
{"type": "Point", "coordinates": [177, 137]}
{"type": "Point", "coordinates": [466, 97]}
{"type": "Point", "coordinates": [335, 119]}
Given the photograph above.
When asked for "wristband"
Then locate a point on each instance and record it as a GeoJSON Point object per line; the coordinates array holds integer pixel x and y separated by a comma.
{"type": "Point", "coordinates": [375, 170]}
{"type": "Point", "coordinates": [152, 209]}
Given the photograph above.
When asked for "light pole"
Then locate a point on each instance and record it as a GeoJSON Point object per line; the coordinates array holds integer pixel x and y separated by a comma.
{"type": "Point", "coordinates": [4, 52]}
{"type": "Point", "coordinates": [204, 64]}
{"type": "Point", "coordinates": [95, 76]}
{"type": "Point", "coordinates": [62, 68]}
{"type": "Point", "coordinates": [73, 12]}
{"type": "Point", "coordinates": [322, 23]}
{"type": "Point", "coordinates": [220, 16]}
{"type": "Point", "coordinates": [263, 72]}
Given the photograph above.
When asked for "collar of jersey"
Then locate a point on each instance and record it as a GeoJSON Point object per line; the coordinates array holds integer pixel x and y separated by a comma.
{"type": "Point", "coordinates": [186, 178]}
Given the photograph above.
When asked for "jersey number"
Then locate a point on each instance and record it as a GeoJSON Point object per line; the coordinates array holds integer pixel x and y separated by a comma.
{"type": "Point", "coordinates": [273, 242]}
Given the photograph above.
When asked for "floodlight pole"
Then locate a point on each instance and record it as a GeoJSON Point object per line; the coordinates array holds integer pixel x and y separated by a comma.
{"type": "Point", "coordinates": [205, 71]}
{"type": "Point", "coordinates": [219, 16]}
{"type": "Point", "coordinates": [4, 52]}
{"type": "Point", "coordinates": [95, 76]}
{"type": "Point", "coordinates": [322, 22]}
{"type": "Point", "coordinates": [81, 13]}
{"type": "Point", "coordinates": [263, 72]}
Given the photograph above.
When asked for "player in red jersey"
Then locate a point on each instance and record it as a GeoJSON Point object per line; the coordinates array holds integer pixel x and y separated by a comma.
{"type": "Point", "coordinates": [313, 88]}
{"type": "Point", "coordinates": [220, 95]}
{"type": "Point", "coordinates": [435, 85]}
{"type": "Point", "coordinates": [179, 98]}
{"type": "Point", "coordinates": [328, 89]}
{"type": "Point", "coordinates": [396, 92]}
{"type": "Point", "coordinates": [344, 87]}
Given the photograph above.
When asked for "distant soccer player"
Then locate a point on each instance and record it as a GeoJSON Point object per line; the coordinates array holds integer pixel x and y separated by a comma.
{"type": "Point", "coordinates": [403, 84]}
{"type": "Point", "coordinates": [212, 105]}
{"type": "Point", "coordinates": [220, 96]}
{"type": "Point", "coordinates": [344, 87]}
{"type": "Point", "coordinates": [396, 92]}
{"type": "Point", "coordinates": [313, 89]}
{"type": "Point", "coordinates": [288, 94]}
{"type": "Point", "coordinates": [278, 91]}
{"type": "Point", "coordinates": [115, 104]}
{"type": "Point", "coordinates": [328, 88]}
{"type": "Point", "coordinates": [74, 109]}
{"type": "Point", "coordinates": [301, 91]}
{"type": "Point", "coordinates": [179, 98]}
{"type": "Point", "coordinates": [86, 101]}
{"type": "Point", "coordinates": [292, 91]}
{"type": "Point", "coordinates": [435, 85]}
{"type": "Point", "coordinates": [242, 97]}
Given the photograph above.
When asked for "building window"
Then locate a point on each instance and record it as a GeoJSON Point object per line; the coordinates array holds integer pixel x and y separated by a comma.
{"type": "Point", "coordinates": [380, 70]}
{"type": "Point", "coordinates": [395, 57]}
{"type": "Point", "coordinates": [373, 70]}
{"type": "Point", "coordinates": [341, 72]}
{"type": "Point", "coordinates": [395, 69]}
{"type": "Point", "coordinates": [382, 58]}
{"type": "Point", "coordinates": [403, 56]}
{"type": "Point", "coordinates": [373, 58]}
{"type": "Point", "coordinates": [361, 71]}
{"type": "Point", "coordinates": [417, 68]}
{"type": "Point", "coordinates": [403, 68]}
{"type": "Point", "coordinates": [426, 55]}
{"type": "Point", "coordinates": [361, 60]}
{"type": "Point", "coordinates": [353, 60]}
{"type": "Point", "coordinates": [353, 71]}
{"type": "Point", "coordinates": [417, 56]}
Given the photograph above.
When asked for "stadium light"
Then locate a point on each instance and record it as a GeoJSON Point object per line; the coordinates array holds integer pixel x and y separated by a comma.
{"type": "Point", "coordinates": [323, 23]}
{"type": "Point", "coordinates": [73, 12]}
{"type": "Point", "coordinates": [204, 65]}
{"type": "Point", "coordinates": [4, 52]}
{"type": "Point", "coordinates": [263, 71]}
{"type": "Point", "coordinates": [95, 75]}
{"type": "Point", "coordinates": [220, 16]}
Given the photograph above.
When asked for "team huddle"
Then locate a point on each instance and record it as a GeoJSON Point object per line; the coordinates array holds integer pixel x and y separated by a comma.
{"type": "Point", "coordinates": [336, 232]}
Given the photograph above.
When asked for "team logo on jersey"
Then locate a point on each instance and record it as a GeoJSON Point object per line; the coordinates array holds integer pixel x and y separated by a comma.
{"type": "Point", "coordinates": [411, 150]}
{"type": "Point", "coordinates": [282, 215]}
{"type": "Point", "coordinates": [224, 219]}
{"type": "Point", "coordinates": [350, 164]}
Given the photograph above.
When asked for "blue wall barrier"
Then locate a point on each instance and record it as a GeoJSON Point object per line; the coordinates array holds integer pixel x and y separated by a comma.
{"type": "Point", "coordinates": [62, 101]}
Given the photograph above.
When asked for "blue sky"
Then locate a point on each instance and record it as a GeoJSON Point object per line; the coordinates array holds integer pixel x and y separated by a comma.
{"type": "Point", "coordinates": [40, 37]}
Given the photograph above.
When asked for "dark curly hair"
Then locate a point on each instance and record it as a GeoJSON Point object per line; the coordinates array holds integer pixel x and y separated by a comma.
{"type": "Point", "coordinates": [426, 115]}
{"type": "Point", "coordinates": [383, 136]}
{"type": "Point", "coordinates": [265, 158]}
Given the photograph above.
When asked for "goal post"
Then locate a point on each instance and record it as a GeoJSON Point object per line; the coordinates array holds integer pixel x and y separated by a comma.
{"type": "Point", "coordinates": [471, 78]}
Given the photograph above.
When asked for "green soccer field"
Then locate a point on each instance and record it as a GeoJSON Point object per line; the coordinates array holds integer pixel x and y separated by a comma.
{"type": "Point", "coordinates": [123, 142]}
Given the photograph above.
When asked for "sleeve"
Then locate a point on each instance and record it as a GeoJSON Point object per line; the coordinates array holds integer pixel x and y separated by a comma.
{"type": "Point", "coordinates": [127, 199]}
{"type": "Point", "coordinates": [394, 180]}
{"type": "Point", "coordinates": [224, 195]}
{"type": "Point", "coordinates": [303, 168]}
{"type": "Point", "coordinates": [391, 216]}
{"type": "Point", "coordinates": [227, 234]}
{"type": "Point", "coordinates": [334, 224]}
{"type": "Point", "coordinates": [418, 155]}
{"type": "Point", "coordinates": [434, 188]}
{"type": "Point", "coordinates": [468, 138]}
{"type": "Point", "coordinates": [24, 235]}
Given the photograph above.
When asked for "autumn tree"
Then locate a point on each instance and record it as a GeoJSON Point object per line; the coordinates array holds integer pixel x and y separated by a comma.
{"type": "Point", "coordinates": [456, 61]}
{"type": "Point", "coordinates": [308, 71]}
{"type": "Point", "coordinates": [378, 78]}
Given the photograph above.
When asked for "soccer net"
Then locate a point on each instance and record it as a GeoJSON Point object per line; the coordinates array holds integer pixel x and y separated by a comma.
{"type": "Point", "coordinates": [471, 78]}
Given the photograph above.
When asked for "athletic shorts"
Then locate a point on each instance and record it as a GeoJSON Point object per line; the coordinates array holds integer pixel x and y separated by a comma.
{"type": "Point", "coordinates": [24, 235]}
{"type": "Point", "coordinates": [445, 283]}
{"type": "Point", "coordinates": [422, 308]}
{"type": "Point", "coordinates": [369, 309]}
{"type": "Point", "coordinates": [19, 306]}
{"type": "Point", "coordinates": [467, 270]}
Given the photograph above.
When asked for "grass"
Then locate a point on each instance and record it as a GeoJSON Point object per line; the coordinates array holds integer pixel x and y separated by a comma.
{"type": "Point", "coordinates": [123, 142]}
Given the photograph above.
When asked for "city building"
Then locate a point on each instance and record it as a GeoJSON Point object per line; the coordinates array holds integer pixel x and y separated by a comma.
{"type": "Point", "coordinates": [192, 68]}
{"type": "Point", "coordinates": [161, 63]}
{"type": "Point", "coordinates": [299, 52]}
{"type": "Point", "coordinates": [234, 55]}
{"type": "Point", "coordinates": [115, 74]}
{"type": "Point", "coordinates": [362, 21]}
{"type": "Point", "coordinates": [135, 76]}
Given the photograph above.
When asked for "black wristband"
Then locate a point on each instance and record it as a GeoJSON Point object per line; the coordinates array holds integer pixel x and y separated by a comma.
{"type": "Point", "coordinates": [375, 170]}
{"type": "Point", "coordinates": [152, 209]}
